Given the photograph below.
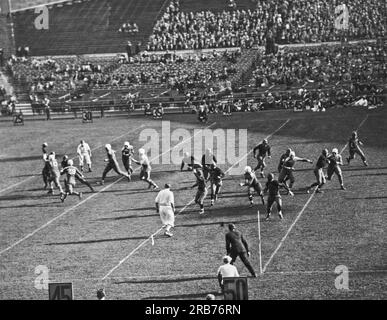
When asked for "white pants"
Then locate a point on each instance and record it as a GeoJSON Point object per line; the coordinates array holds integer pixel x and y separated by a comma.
{"type": "Point", "coordinates": [167, 216]}
{"type": "Point", "coordinates": [84, 158]}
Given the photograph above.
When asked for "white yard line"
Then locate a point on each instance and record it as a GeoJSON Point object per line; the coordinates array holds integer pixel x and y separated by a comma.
{"type": "Point", "coordinates": [100, 97]}
{"type": "Point", "coordinates": [181, 210]}
{"type": "Point", "coordinates": [300, 213]}
{"type": "Point", "coordinates": [37, 175]}
{"type": "Point", "coordinates": [85, 200]}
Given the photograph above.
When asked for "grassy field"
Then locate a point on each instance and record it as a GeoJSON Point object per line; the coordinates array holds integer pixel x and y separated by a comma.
{"type": "Point", "coordinates": [85, 241]}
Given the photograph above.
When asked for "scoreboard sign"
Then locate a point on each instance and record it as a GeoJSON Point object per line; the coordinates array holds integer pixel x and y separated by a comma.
{"type": "Point", "coordinates": [60, 291]}
{"type": "Point", "coordinates": [235, 288]}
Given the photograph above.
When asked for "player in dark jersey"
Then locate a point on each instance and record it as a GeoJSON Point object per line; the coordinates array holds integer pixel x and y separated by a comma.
{"type": "Point", "coordinates": [252, 184]}
{"type": "Point", "coordinates": [288, 168]}
{"type": "Point", "coordinates": [260, 152]}
{"type": "Point", "coordinates": [202, 188]}
{"type": "Point", "coordinates": [70, 172]}
{"type": "Point", "coordinates": [216, 176]}
{"type": "Point", "coordinates": [273, 187]}
{"type": "Point", "coordinates": [78, 175]}
{"type": "Point", "coordinates": [335, 161]}
{"type": "Point", "coordinates": [322, 162]}
{"type": "Point", "coordinates": [46, 167]}
{"type": "Point", "coordinates": [127, 154]}
{"type": "Point", "coordinates": [112, 164]}
{"type": "Point", "coordinates": [354, 148]}
{"type": "Point", "coordinates": [207, 160]}
{"type": "Point", "coordinates": [283, 158]}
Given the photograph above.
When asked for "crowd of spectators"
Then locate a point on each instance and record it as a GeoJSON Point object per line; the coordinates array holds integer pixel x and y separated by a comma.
{"type": "Point", "coordinates": [288, 21]}
{"type": "Point", "coordinates": [322, 64]}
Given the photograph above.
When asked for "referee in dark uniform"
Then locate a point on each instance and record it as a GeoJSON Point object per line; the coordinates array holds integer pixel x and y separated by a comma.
{"type": "Point", "coordinates": [236, 246]}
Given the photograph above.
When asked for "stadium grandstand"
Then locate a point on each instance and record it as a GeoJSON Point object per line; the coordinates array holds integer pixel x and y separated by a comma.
{"type": "Point", "coordinates": [93, 53]}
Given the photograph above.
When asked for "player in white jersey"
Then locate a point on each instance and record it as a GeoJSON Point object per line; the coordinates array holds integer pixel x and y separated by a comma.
{"type": "Point", "coordinates": [84, 155]}
{"type": "Point", "coordinates": [146, 169]}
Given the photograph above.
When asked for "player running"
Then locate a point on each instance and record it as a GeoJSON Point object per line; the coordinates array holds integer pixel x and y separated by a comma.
{"type": "Point", "coordinates": [263, 149]}
{"type": "Point", "coordinates": [146, 169]}
{"type": "Point", "coordinates": [252, 184]}
{"type": "Point", "coordinates": [202, 188]}
{"type": "Point", "coordinates": [71, 173]}
{"type": "Point", "coordinates": [274, 196]}
{"type": "Point", "coordinates": [127, 154]}
{"type": "Point", "coordinates": [216, 176]}
{"type": "Point", "coordinates": [283, 157]}
{"type": "Point", "coordinates": [354, 148]}
{"type": "Point", "coordinates": [207, 160]}
{"type": "Point", "coordinates": [78, 175]}
{"type": "Point", "coordinates": [288, 168]}
{"type": "Point", "coordinates": [112, 164]}
{"type": "Point", "coordinates": [322, 162]}
{"type": "Point", "coordinates": [335, 161]}
{"type": "Point", "coordinates": [54, 174]}
{"type": "Point", "coordinates": [46, 168]}
{"type": "Point", "coordinates": [84, 155]}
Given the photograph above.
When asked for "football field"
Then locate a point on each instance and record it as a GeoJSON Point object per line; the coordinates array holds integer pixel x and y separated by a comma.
{"type": "Point", "coordinates": [113, 238]}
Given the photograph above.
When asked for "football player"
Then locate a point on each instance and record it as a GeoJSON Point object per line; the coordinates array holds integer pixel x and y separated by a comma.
{"type": "Point", "coordinates": [260, 152]}
{"type": "Point", "coordinates": [319, 172]}
{"type": "Point", "coordinates": [54, 174]}
{"type": "Point", "coordinates": [354, 148]}
{"type": "Point", "coordinates": [288, 168]}
{"type": "Point", "coordinates": [78, 175]}
{"type": "Point", "coordinates": [70, 172]}
{"type": "Point", "coordinates": [207, 160]}
{"type": "Point", "coordinates": [202, 188]}
{"type": "Point", "coordinates": [216, 176]}
{"type": "Point", "coordinates": [274, 196]}
{"type": "Point", "coordinates": [335, 161]}
{"type": "Point", "coordinates": [146, 169]}
{"type": "Point", "coordinates": [252, 184]}
{"type": "Point", "coordinates": [46, 168]}
{"type": "Point", "coordinates": [127, 154]}
{"type": "Point", "coordinates": [84, 155]}
{"type": "Point", "coordinates": [112, 164]}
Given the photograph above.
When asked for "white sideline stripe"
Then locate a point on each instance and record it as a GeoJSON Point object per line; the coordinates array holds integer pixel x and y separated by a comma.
{"type": "Point", "coordinates": [36, 175]}
{"type": "Point", "coordinates": [181, 210]}
{"type": "Point", "coordinates": [83, 201]}
{"type": "Point", "coordinates": [300, 213]}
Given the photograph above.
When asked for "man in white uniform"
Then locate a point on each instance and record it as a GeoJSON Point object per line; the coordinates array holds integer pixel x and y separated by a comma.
{"type": "Point", "coordinates": [84, 154]}
{"type": "Point", "coordinates": [226, 270]}
{"type": "Point", "coordinates": [165, 206]}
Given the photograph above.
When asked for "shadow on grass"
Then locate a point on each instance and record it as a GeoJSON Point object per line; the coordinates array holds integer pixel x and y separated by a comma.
{"type": "Point", "coordinates": [128, 217]}
{"type": "Point", "coordinates": [101, 240]}
{"type": "Point", "coordinates": [20, 159]}
{"type": "Point", "coordinates": [170, 280]}
{"type": "Point", "coordinates": [183, 296]}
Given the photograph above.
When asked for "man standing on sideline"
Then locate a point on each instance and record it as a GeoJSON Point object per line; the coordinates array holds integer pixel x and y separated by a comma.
{"type": "Point", "coordinates": [165, 206]}
{"type": "Point", "coordinates": [236, 246]}
{"type": "Point", "coordinates": [226, 270]}
{"type": "Point", "coordinates": [84, 155]}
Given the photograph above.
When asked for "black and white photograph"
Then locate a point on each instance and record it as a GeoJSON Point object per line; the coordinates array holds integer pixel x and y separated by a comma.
{"type": "Point", "coordinates": [173, 150]}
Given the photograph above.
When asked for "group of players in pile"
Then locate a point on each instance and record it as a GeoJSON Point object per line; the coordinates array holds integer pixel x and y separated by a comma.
{"type": "Point", "coordinates": [204, 171]}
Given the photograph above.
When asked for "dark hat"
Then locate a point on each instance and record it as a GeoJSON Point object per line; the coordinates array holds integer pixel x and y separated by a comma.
{"type": "Point", "coordinates": [167, 185]}
{"type": "Point", "coordinates": [231, 226]}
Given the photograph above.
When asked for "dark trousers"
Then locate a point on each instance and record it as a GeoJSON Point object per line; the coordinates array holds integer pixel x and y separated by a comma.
{"type": "Point", "coordinates": [245, 260]}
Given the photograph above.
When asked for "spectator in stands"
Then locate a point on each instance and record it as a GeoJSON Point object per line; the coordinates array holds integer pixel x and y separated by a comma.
{"type": "Point", "coordinates": [1, 57]}
{"type": "Point", "coordinates": [101, 295]}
